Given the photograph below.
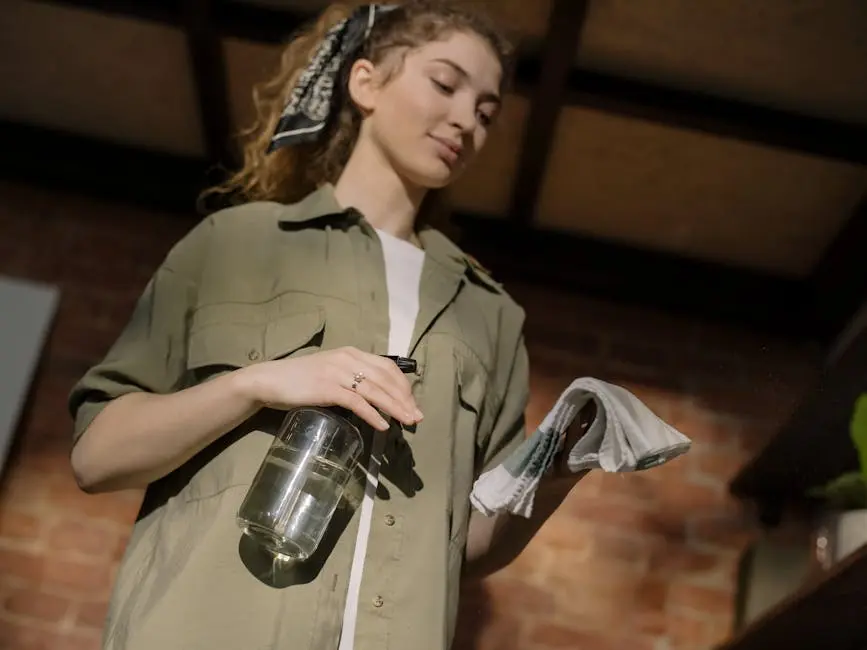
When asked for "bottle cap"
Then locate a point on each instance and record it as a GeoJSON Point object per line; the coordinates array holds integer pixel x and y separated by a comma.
{"type": "Point", "coordinates": [405, 364]}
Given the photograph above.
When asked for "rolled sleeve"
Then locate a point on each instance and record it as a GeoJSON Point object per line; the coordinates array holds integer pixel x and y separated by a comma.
{"type": "Point", "coordinates": [150, 353]}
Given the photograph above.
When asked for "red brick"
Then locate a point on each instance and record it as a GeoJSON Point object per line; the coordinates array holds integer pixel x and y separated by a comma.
{"type": "Point", "coordinates": [689, 633]}
{"type": "Point", "coordinates": [639, 487]}
{"type": "Point", "coordinates": [23, 490]}
{"type": "Point", "coordinates": [565, 533]}
{"type": "Point", "coordinates": [702, 600]}
{"type": "Point", "coordinates": [630, 515]}
{"type": "Point", "coordinates": [549, 636]}
{"type": "Point", "coordinates": [630, 548]}
{"type": "Point", "coordinates": [23, 635]}
{"type": "Point", "coordinates": [74, 642]}
{"type": "Point", "coordinates": [81, 536]}
{"type": "Point", "coordinates": [725, 529]}
{"type": "Point", "coordinates": [18, 526]}
{"type": "Point", "coordinates": [676, 560]}
{"type": "Point", "coordinates": [507, 595]}
{"type": "Point", "coordinates": [33, 604]}
{"type": "Point", "coordinates": [69, 576]}
{"type": "Point", "coordinates": [120, 546]}
{"type": "Point", "coordinates": [716, 465]}
{"type": "Point", "coordinates": [532, 561]}
{"type": "Point", "coordinates": [21, 565]}
{"type": "Point", "coordinates": [91, 615]}
{"type": "Point", "coordinates": [705, 427]}
{"type": "Point", "coordinates": [603, 510]}
{"type": "Point", "coordinates": [117, 507]}
{"type": "Point", "coordinates": [684, 499]}
{"type": "Point", "coordinates": [488, 633]}
{"type": "Point", "coordinates": [46, 456]}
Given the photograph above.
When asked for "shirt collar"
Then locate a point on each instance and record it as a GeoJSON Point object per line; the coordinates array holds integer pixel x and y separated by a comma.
{"type": "Point", "coordinates": [321, 205]}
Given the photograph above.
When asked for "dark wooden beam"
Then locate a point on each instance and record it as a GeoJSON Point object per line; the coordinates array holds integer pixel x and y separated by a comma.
{"type": "Point", "coordinates": [720, 116]}
{"type": "Point", "coordinates": [616, 271]}
{"type": "Point", "coordinates": [565, 23]}
{"type": "Point", "coordinates": [205, 48]}
{"type": "Point", "coordinates": [109, 170]}
{"type": "Point", "coordinates": [839, 281]}
{"type": "Point", "coordinates": [588, 88]}
{"type": "Point", "coordinates": [606, 269]}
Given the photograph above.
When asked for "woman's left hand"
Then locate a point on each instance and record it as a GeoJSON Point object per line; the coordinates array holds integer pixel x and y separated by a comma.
{"type": "Point", "coordinates": [577, 429]}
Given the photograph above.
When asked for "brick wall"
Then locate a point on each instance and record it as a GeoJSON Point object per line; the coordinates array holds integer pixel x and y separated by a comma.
{"type": "Point", "coordinates": [638, 562]}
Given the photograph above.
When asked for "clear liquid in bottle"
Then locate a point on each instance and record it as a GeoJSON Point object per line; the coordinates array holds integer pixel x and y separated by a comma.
{"type": "Point", "coordinates": [288, 511]}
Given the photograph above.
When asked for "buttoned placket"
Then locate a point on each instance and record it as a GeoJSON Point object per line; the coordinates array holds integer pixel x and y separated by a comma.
{"type": "Point", "coordinates": [372, 293]}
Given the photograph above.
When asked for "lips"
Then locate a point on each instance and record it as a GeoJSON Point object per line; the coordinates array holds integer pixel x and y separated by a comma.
{"type": "Point", "coordinates": [448, 150]}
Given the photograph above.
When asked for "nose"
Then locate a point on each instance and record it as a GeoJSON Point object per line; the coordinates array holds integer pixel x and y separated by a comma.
{"type": "Point", "coordinates": [463, 115]}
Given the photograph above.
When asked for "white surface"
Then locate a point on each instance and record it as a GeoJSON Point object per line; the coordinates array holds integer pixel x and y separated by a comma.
{"type": "Point", "coordinates": [26, 312]}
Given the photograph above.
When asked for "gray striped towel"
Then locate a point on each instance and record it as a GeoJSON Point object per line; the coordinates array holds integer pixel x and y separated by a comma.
{"type": "Point", "coordinates": [626, 436]}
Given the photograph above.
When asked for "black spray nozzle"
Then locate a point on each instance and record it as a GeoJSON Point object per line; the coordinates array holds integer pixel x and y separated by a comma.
{"type": "Point", "coordinates": [405, 364]}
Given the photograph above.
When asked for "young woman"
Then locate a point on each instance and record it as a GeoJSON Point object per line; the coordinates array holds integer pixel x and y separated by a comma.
{"type": "Point", "coordinates": [290, 299]}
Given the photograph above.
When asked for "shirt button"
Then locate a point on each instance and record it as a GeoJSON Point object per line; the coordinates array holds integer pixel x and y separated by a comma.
{"type": "Point", "coordinates": [253, 355]}
{"type": "Point", "coordinates": [389, 520]}
{"type": "Point", "coordinates": [378, 601]}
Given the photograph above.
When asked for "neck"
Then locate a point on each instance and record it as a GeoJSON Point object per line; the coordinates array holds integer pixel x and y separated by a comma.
{"type": "Point", "coordinates": [370, 185]}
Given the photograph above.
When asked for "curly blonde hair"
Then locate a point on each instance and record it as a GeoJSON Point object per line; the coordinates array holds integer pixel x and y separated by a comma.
{"type": "Point", "coordinates": [290, 173]}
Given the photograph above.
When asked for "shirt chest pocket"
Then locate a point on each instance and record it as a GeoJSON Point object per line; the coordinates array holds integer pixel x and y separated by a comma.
{"type": "Point", "coordinates": [227, 337]}
{"type": "Point", "coordinates": [224, 338]}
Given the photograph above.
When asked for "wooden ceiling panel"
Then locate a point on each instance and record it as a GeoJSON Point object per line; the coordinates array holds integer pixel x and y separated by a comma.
{"type": "Point", "coordinates": [695, 194]}
{"type": "Point", "coordinates": [808, 56]}
{"type": "Point", "coordinates": [518, 17]}
{"type": "Point", "coordinates": [94, 74]}
{"type": "Point", "coordinates": [247, 64]}
{"type": "Point", "coordinates": [486, 185]}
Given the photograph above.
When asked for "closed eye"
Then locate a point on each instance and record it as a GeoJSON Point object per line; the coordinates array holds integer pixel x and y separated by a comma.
{"type": "Point", "coordinates": [443, 88]}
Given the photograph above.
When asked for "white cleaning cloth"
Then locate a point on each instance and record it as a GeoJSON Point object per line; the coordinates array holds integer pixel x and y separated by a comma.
{"type": "Point", "coordinates": [626, 436]}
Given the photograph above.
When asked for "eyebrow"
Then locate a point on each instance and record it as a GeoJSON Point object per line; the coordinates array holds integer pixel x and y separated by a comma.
{"type": "Point", "coordinates": [485, 97]}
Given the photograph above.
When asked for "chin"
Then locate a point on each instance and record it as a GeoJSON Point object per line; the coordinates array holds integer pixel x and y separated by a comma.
{"type": "Point", "coordinates": [432, 176]}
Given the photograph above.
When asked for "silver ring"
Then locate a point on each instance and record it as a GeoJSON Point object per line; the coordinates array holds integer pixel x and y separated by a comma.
{"type": "Point", "coordinates": [357, 378]}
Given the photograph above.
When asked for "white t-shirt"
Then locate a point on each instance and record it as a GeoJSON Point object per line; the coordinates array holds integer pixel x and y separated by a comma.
{"type": "Point", "coordinates": [403, 266]}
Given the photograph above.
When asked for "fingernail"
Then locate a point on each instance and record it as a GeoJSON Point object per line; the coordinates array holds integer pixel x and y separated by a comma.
{"type": "Point", "coordinates": [383, 425]}
{"type": "Point", "coordinates": [419, 415]}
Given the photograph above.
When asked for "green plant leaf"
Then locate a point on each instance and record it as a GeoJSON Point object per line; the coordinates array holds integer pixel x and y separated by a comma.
{"type": "Point", "coordinates": [846, 492]}
{"type": "Point", "coordinates": [858, 430]}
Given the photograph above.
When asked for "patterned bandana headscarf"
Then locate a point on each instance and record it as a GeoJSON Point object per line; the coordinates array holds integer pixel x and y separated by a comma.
{"type": "Point", "coordinates": [314, 97]}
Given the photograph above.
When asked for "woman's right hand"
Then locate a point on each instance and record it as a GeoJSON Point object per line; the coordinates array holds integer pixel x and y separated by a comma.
{"type": "Point", "coordinates": [326, 379]}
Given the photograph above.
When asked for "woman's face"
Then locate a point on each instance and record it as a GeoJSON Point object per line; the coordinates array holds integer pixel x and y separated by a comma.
{"type": "Point", "coordinates": [432, 117]}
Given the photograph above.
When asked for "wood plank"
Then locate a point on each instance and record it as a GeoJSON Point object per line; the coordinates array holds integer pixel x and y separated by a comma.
{"type": "Point", "coordinates": [565, 23]}
{"type": "Point", "coordinates": [679, 108]}
{"type": "Point", "coordinates": [205, 49]}
{"type": "Point", "coordinates": [825, 613]}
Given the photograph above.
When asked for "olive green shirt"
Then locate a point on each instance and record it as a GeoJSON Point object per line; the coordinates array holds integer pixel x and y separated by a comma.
{"type": "Point", "coordinates": [268, 281]}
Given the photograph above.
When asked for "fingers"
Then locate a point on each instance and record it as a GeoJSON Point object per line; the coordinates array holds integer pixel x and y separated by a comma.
{"type": "Point", "coordinates": [371, 391]}
{"type": "Point", "coordinates": [351, 400]}
{"type": "Point", "coordinates": [384, 385]}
